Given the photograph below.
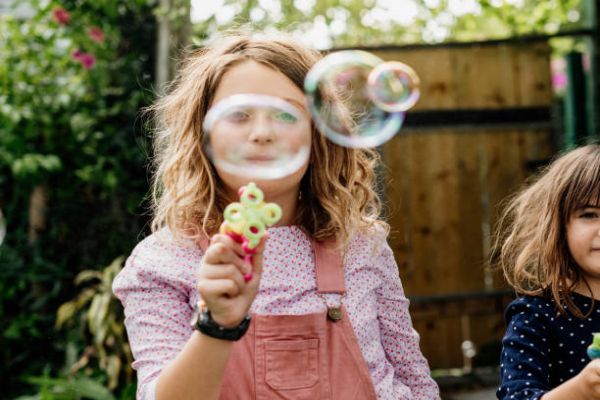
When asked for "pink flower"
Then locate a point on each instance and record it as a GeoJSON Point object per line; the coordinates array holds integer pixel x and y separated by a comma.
{"type": "Point", "coordinates": [96, 34]}
{"type": "Point", "coordinates": [559, 75]}
{"type": "Point", "coordinates": [559, 81]}
{"type": "Point", "coordinates": [87, 60]}
{"type": "Point", "coordinates": [61, 15]}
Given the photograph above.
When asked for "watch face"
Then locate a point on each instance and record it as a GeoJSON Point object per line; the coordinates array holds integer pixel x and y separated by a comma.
{"type": "Point", "coordinates": [194, 319]}
{"type": "Point", "coordinates": [196, 314]}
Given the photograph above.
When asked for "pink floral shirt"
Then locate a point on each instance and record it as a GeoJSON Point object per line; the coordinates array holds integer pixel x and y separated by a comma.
{"type": "Point", "coordinates": [157, 289]}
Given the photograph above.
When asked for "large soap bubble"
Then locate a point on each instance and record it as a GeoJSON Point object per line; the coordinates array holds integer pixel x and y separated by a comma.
{"type": "Point", "coordinates": [357, 100]}
{"type": "Point", "coordinates": [257, 137]}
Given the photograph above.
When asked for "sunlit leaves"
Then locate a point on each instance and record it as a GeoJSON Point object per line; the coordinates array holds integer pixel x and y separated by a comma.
{"type": "Point", "coordinates": [341, 23]}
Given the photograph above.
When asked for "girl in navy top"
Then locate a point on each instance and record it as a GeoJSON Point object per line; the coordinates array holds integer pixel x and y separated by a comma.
{"type": "Point", "coordinates": [548, 246]}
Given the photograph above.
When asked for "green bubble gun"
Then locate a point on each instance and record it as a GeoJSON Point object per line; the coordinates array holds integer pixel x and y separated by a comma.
{"type": "Point", "coordinates": [246, 222]}
{"type": "Point", "coordinates": [593, 351]}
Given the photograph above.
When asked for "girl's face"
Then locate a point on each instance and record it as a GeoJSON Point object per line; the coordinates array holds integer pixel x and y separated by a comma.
{"type": "Point", "coordinates": [583, 238]}
{"type": "Point", "coordinates": [250, 77]}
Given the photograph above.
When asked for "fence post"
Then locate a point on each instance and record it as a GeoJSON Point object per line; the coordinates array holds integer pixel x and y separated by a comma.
{"type": "Point", "coordinates": [592, 11]}
{"type": "Point", "coordinates": [575, 101]}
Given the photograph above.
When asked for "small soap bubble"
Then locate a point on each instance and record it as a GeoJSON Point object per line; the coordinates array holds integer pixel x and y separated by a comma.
{"type": "Point", "coordinates": [257, 137]}
{"type": "Point", "coordinates": [394, 86]}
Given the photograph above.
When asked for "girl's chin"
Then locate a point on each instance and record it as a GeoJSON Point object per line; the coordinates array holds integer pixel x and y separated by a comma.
{"type": "Point", "coordinates": [270, 187]}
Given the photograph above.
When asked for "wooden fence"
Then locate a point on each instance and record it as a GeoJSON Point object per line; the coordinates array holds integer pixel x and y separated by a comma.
{"type": "Point", "coordinates": [481, 126]}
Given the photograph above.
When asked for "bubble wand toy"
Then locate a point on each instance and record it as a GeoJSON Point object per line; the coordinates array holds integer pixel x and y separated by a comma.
{"type": "Point", "coordinates": [246, 221]}
{"type": "Point", "coordinates": [593, 350]}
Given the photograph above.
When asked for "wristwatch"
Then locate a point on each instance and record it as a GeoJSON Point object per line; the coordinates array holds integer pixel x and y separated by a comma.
{"type": "Point", "coordinates": [205, 324]}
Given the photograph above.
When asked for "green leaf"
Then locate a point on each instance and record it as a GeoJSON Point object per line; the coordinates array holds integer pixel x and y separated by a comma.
{"type": "Point", "coordinates": [74, 388]}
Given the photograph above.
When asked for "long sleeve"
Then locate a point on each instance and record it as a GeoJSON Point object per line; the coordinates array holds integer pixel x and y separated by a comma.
{"type": "Point", "coordinates": [525, 359]}
{"type": "Point", "coordinates": [400, 340]}
{"type": "Point", "coordinates": [155, 287]}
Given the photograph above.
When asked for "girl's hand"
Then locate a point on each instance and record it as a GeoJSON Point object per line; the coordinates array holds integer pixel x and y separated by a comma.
{"type": "Point", "coordinates": [221, 280]}
{"type": "Point", "coordinates": [589, 378]}
{"type": "Point", "coordinates": [583, 386]}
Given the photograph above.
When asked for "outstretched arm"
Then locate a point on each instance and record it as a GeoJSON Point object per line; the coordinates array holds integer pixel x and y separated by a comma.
{"type": "Point", "coordinates": [172, 360]}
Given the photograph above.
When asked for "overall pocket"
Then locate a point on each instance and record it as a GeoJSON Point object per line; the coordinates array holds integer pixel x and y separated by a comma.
{"type": "Point", "coordinates": [291, 364]}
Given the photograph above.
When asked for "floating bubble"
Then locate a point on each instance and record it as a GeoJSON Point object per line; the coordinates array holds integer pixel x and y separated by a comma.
{"type": "Point", "coordinates": [394, 86]}
{"type": "Point", "coordinates": [2, 227]}
{"type": "Point", "coordinates": [356, 101]}
{"type": "Point", "coordinates": [257, 136]}
{"type": "Point", "coordinates": [339, 100]}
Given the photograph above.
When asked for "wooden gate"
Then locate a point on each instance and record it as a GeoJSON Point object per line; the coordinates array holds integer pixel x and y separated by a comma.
{"type": "Point", "coordinates": [481, 126]}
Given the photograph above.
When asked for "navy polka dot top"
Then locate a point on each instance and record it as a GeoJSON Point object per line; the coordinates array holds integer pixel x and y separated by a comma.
{"type": "Point", "coordinates": [542, 349]}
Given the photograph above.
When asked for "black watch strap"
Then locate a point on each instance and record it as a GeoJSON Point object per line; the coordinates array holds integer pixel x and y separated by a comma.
{"type": "Point", "coordinates": [209, 327]}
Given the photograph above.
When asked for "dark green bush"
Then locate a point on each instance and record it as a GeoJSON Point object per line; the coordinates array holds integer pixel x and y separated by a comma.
{"type": "Point", "coordinates": [72, 165]}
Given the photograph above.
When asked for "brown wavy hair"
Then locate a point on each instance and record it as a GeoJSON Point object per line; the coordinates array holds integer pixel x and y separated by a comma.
{"type": "Point", "coordinates": [531, 242]}
{"type": "Point", "coordinates": [187, 195]}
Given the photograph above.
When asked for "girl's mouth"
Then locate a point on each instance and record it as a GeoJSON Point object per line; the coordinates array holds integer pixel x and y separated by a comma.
{"type": "Point", "coordinates": [260, 158]}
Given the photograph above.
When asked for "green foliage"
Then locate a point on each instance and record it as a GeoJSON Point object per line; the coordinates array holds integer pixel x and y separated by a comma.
{"type": "Point", "coordinates": [507, 19]}
{"type": "Point", "coordinates": [100, 316]}
{"type": "Point", "coordinates": [346, 23]}
{"type": "Point", "coordinates": [73, 388]}
{"type": "Point", "coordinates": [68, 125]}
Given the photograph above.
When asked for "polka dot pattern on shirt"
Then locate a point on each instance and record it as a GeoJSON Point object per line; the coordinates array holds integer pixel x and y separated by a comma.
{"type": "Point", "coordinates": [542, 349]}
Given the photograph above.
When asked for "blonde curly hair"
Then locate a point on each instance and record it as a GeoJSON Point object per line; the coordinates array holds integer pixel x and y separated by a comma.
{"type": "Point", "coordinates": [187, 195]}
{"type": "Point", "coordinates": [531, 238]}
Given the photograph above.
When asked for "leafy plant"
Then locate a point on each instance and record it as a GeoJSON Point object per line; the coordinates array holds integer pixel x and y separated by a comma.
{"type": "Point", "coordinates": [101, 319]}
{"type": "Point", "coordinates": [73, 388]}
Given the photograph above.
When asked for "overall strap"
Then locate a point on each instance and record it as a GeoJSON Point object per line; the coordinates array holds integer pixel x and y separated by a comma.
{"type": "Point", "coordinates": [329, 266]}
{"type": "Point", "coordinates": [203, 243]}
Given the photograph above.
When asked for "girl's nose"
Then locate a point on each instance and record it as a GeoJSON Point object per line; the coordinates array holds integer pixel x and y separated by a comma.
{"type": "Point", "coordinates": [261, 131]}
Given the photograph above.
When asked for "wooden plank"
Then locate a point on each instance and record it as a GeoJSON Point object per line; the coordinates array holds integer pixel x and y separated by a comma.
{"type": "Point", "coordinates": [473, 303]}
{"type": "Point", "coordinates": [419, 237]}
{"type": "Point", "coordinates": [446, 186]}
{"type": "Point", "coordinates": [479, 76]}
{"type": "Point", "coordinates": [437, 78]}
{"type": "Point", "coordinates": [440, 184]}
{"type": "Point", "coordinates": [533, 78]}
{"type": "Point", "coordinates": [469, 229]}
{"type": "Point", "coordinates": [483, 78]}
{"type": "Point", "coordinates": [439, 339]}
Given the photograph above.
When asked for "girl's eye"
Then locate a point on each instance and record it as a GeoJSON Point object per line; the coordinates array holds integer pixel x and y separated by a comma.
{"type": "Point", "coordinates": [285, 117]}
{"type": "Point", "coordinates": [238, 116]}
{"type": "Point", "coordinates": [589, 215]}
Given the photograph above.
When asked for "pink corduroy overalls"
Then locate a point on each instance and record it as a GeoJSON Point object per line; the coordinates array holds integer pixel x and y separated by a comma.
{"type": "Point", "coordinates": [301, 357]}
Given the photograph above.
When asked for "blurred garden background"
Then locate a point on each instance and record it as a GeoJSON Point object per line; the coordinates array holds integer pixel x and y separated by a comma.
{"type": "Point", "coordinates": [74, 75]}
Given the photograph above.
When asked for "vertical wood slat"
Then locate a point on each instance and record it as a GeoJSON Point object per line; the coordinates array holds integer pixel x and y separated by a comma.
{"type": "Point", "coordinates": [436, 191]}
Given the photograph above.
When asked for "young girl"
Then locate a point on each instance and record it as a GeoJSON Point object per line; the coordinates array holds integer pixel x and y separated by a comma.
{"type": "Point", "coordinates": [550, 253]}
{"type": "Point", "coordinates": [324, 316]}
